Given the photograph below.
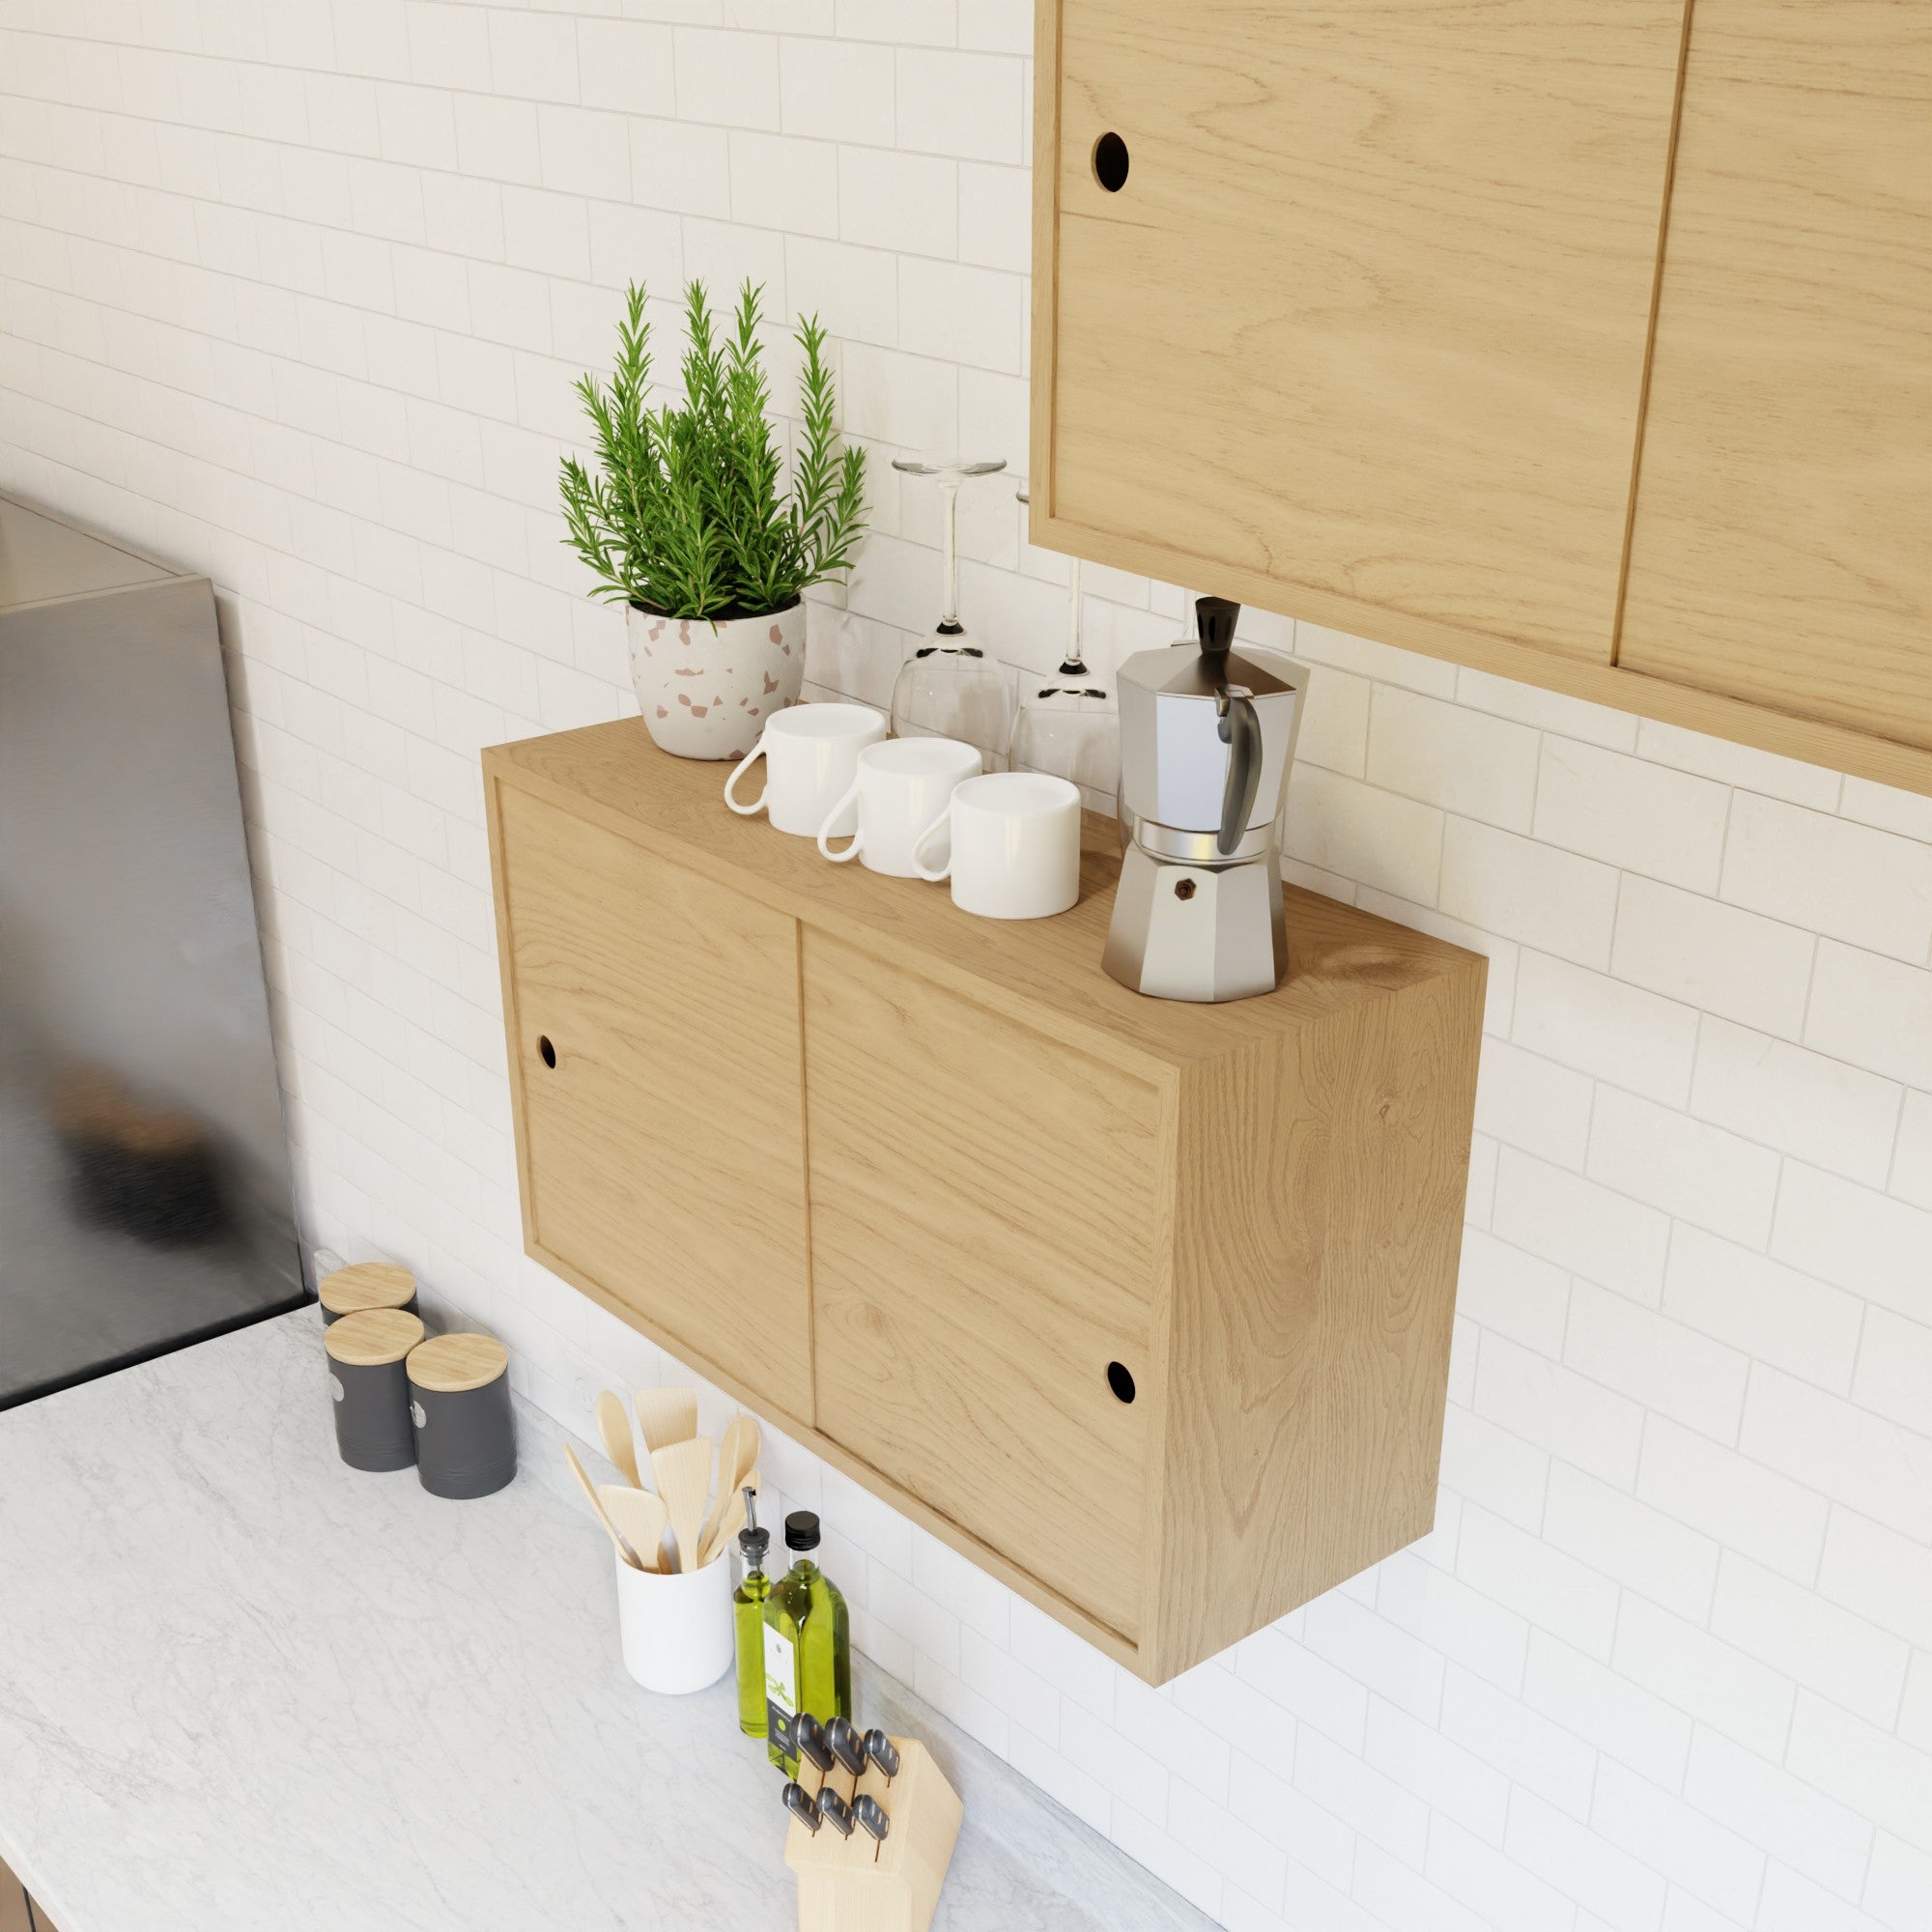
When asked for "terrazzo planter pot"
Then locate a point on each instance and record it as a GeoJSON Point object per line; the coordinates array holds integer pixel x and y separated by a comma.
{"type": "Point", "coordinates": [705, 689]}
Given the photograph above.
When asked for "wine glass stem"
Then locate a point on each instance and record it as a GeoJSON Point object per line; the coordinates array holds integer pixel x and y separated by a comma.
{"type": "Point", "coordinates": [949, 617]}
{"type": "Point", "coordinates": [1073, 656]}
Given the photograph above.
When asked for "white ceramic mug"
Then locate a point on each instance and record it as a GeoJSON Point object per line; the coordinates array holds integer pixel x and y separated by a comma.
{"type": "Point", "coordinates": [677, 1631]}
{"type": "Point", "coordinates": [810, 752]}
{"type": "Point", "coordinates": [897, 790]}
{"type": "Point", "coordinates": [1015, 845]}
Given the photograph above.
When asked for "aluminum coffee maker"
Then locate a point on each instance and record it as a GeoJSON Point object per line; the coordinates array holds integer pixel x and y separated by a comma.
{"type": "Point", "coordinates": [1206, 738]}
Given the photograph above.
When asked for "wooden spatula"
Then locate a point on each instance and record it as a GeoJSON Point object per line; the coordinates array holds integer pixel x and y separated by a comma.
{"type": "Point", "coordinates": [639, 1517]}
{"type": "Point", "coordinates": [602, 1515]}
{"type": "Point", "coordinates": [736, 1455]}
{"type": "Point", "coordinates": [613, 1426]}
{"type": "Point", "coordinates": [717, 1540]}
{"type": "Point", "coordinates": [667, 1416]}
{"type": "Point", "coordinates": [683, 1473]}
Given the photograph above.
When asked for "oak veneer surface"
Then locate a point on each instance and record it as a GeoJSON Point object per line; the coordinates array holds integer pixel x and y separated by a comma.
{"type": "Point", "coordinates": [1782, 547]}
{"type": "Point", "coordinates": [1369, 315]}
{"type": "Point", "coordinates": [1259, 1215]}
{"type": "Point", "coordinates": [664, 1155]}
{"type": "Point", "coordinates": [1319, 1231]}
{"type": "Point", "coordinates": [983, 1210]}
{"type": "Point", "coordinates": [1037, 970]}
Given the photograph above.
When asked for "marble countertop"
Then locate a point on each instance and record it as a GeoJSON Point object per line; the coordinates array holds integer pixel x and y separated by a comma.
{"type": "Point", "coordinates": [243, 1686]}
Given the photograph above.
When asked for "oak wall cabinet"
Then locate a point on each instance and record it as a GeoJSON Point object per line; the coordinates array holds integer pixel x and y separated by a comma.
{"type": "Point", "coordinates": [1143, 1307]}
{"type": "Point", "coordinates": [1589, 346]}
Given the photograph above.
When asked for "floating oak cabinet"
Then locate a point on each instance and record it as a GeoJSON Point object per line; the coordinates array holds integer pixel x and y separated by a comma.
{"type": "Point", "coordinates": [1143, 1307]}
{"type": "Point", "coordinates": [1590, 345]}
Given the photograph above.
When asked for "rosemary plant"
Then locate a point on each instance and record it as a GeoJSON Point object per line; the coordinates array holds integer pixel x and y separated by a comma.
{"type": "Point", "coordinates": [684, 513]}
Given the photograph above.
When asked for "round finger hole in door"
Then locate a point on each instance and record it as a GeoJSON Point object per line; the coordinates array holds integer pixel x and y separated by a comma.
{"type": "Point", "coordinates": [1121, 1381]}
{"type": "Point", "coordinates": [546, 1049]}
{"type": "Point", "coordinates": [1110, 163]}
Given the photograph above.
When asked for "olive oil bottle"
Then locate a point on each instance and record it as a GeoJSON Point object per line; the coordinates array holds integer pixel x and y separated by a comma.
{"type": "Point", "coordinates": [747, 1614]}
{"type": "Point", "coordinates": [807, 1645]}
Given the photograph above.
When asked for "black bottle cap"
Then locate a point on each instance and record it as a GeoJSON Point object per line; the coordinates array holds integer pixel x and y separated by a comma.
{"type": "Point", "coordinates": [802, 1530]}
{"type": "Point", "coordinates": [1215, 618]}
{"type": "Point", "coordinates": [753, 1545]}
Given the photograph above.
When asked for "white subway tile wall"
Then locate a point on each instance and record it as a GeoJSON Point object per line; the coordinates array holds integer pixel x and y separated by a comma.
{"type": "Point", "coordinates": [293, 293]}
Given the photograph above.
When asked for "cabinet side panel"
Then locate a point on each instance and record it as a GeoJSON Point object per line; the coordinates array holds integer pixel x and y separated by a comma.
{"type": "Point", "coordinates": [1319, 1231]}
{"type": "Point", "coordinates": [664, 1139]}
{"type": "Point", "coordinates": [1046, 251]}
{"type": "Point", "coordinates": [493, 810]}
{"type": "Point", "coordinates": [1368, 315]}
{"type": "Point", "coordinates": [1782, 547]}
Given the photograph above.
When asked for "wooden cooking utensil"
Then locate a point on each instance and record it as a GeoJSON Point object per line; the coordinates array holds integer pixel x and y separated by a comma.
{"type": "Point", "coordinates": [683, 1473]}
{"type": "Point", "coordinates": [613, 1426]}
{"type": "Point", "coordinates": [667, 1416]}
{"type": "Point", "coordinates": [641, 1517]}
{"type": "Point", "coordinates": [715, 1541]}
{"type": "Point", "coordinates": [736, 1455]}
{"type": "Point", "coordinates": [602, 1515]}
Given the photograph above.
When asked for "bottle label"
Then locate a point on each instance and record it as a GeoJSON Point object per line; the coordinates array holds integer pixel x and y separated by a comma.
{"type": "Point", "coordinates": [780, 1687]}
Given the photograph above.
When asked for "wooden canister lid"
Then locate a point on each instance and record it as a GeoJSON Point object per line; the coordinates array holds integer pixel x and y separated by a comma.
{"type": "Point", "coordinates": [453, 1363]}
{"type": "Point", "coordinates": [371, 1337]}
{"type": "Point", "coordinates": [349, 1291]}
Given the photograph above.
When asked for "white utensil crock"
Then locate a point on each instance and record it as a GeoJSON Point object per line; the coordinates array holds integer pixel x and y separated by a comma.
{"type": "Point", "coordinates": [897, 790]}
{"type": "Point", "coordinates": [677, 1631]}
{"type": "Point", "coordinates": [1015, 845]}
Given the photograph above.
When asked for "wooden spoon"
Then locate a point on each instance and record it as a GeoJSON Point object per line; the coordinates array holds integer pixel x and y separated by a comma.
{"type": "Point", "coordinates": [736, 1455]}
{"type": "Point", "coordinates": [667, 1416]}
{"type": "Point", "coordinates": [683, 1473]}
{"type": "Point", "coordinates": [614, 1426]}
{"type": "Point", "coordinates": [602, 1515]}
{"type": "Point", "coordinates": [641, 1517]}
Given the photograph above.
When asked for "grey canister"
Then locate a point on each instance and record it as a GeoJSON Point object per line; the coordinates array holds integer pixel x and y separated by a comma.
{"type": "Point", "coordinates": [365, 1285]}
{"type": "Point", "coordinates": [369, 1380]}
{"type": "Point", "coordinates": [460, 1403]}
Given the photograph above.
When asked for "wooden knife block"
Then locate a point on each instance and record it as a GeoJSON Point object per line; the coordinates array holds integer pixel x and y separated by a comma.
{"type": "Point", "coordinates": [857, 1885]}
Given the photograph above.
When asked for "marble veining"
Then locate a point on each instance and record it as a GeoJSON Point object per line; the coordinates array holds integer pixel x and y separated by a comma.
{"type": "Point", "coordinates": [243, 1687]}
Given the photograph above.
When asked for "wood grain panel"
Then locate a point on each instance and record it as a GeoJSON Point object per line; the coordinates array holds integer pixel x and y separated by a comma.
{"type": "Point", "coordinates": [1018, 1174]}
{"type": "Point", "coordinates": [1369, 317]}
{"type": "Point", "coordinates": [664, 1153]}
{"type": "Point", "coordinates": [984, 1212]}
{"type": "Point", "coordinates": [1046, 970]}
{"type": "Point", "coordinates": [1318, 1221]}
{"type": "Point", "coordinates": [1781, 546]}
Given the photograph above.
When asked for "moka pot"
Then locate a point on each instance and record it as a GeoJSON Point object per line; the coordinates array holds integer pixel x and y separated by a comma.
{"type": "Point", "coordinates": [1206, 738]}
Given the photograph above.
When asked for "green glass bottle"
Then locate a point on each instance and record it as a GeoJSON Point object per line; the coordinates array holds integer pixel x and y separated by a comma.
{"type": "Point", "coordinates": [748, 1612]}
{"type": "Point", "coordinates": [807, 1645]}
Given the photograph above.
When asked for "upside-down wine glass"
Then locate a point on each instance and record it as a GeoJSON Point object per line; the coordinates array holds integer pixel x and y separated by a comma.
{"type": "Point", "coordinates": [949, 687]}
{"type": "Point", "coordinates": [1069, 724]}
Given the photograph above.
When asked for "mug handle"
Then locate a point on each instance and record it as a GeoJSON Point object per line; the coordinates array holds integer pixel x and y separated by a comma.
{"type": "Point", "coordinates": [919, 865]}
{"type": "Point", "coordinates": [738, 771]}
{"type": "Point", "coordinates": [832, 818]}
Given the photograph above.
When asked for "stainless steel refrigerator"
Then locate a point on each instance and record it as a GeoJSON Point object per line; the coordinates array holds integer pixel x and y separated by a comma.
{"type": "Point", "coordinates": [144, 1174]}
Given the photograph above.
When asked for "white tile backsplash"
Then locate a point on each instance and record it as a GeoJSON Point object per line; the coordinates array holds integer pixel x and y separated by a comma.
{"type": "Point", "coordinates": [293, 293]}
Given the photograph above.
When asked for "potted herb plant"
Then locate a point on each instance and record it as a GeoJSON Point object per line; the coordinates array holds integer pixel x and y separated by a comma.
{"type": "Point", "coordinates": [684, 518]}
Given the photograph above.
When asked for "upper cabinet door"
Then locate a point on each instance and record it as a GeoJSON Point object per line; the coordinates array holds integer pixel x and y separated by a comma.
{"type": "Point", "coordinates": [654, 1021]}
{"type": "Point", "coordinates": [1781, 548]}
{"type": "Point", "coordinates": [1361, 335]}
